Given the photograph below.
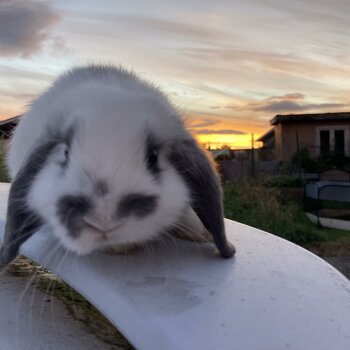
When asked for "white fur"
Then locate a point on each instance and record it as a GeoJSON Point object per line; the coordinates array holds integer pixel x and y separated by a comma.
{"type": "Point", "coordinates": [111, 111]}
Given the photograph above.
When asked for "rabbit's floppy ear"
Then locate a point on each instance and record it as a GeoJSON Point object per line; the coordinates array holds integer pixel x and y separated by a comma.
{"type": "Point", "coordinates": [21, 221]}
{"type": "Point", "coordinates": [196, 168]}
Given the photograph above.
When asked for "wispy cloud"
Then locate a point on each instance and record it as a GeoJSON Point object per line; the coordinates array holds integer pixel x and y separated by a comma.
{"type": "Point", "coordinates": [292, 102]}
{"type": "Point", "coordinates": [284, 106]}
{"type": "Point", "coordinates": [154, 25]}
{"type": "Point", "coordinates": [19, 96]}
{"type": "Point", "coordinates": [286, 103]}
{"type": "Point", "coordinates": [290, 96]}
{"type": "Point", "coordinates": [169, 29]}
{"type": "Point", "coordinates": [200, 122]}
{"type": "Point", "coordinates": [25, 26]}
{"type": "Point", "coordinates": [9, 71]}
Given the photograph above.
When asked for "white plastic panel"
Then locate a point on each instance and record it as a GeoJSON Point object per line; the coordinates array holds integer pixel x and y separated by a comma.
{"type": "Point", "coordinates": [179, 295]}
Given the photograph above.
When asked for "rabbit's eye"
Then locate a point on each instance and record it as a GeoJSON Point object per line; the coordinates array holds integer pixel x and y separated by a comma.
{"type": "Point", "coordinates": [152, 158]}
{"type": "Point", "coordinates": [64, 157]}
{"type": "Point", "coordinates": [152, 155]}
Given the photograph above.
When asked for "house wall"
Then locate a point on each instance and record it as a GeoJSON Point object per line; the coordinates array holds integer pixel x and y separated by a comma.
{"type": "Point", "coordinates": [278, 142]}
{"type": "Point", "coordinates": [285, 134]}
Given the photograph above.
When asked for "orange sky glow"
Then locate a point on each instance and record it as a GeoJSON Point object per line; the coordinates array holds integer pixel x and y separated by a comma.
{"type": "Point", "coordinates": [228, 66]}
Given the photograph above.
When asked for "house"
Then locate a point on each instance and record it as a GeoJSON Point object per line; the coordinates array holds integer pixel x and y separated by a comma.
{"type": "Point", "coordinates": [221, 153]}
{"type": "Point", "coordinates": [319, 133]}
{"type": "Point", "coordinates": [267, 151]}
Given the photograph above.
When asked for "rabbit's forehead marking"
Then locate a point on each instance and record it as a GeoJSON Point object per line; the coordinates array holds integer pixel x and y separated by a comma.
{"type": "Point", "coordinates": [101, 188]}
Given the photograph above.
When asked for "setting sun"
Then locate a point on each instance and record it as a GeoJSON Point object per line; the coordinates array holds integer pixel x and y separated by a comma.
{"type": "Point", "coordinates": [233, 141]}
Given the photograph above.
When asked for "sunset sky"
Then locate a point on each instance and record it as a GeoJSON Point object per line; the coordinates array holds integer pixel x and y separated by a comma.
{"type": "Point", "coordinates": [228, 65]}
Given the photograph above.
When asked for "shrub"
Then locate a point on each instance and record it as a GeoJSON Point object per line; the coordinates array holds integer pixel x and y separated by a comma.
{"type": "Point", "coordinates": [319, 164]}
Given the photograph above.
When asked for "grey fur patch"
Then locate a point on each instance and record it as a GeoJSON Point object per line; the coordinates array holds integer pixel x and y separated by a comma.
{"type": "Point", "coordinates": [137, 204]}
{"type": "Point", "coordinates": [200, 175]}
{"type": "Point", "coordinates": [21, 221]}
{"type": "Point", "coordinates": [70, 210]}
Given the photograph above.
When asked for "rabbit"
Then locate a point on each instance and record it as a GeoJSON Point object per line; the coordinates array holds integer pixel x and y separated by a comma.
{"type": "Point", "coordinates": [104, 160]}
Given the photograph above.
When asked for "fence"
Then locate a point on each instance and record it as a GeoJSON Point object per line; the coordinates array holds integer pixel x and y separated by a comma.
{"type": "Point", "coordinates": [235, 169]}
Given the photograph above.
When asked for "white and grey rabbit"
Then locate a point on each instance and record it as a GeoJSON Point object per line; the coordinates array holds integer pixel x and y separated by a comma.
{"type": "Point", "coordinates": [105, 160]}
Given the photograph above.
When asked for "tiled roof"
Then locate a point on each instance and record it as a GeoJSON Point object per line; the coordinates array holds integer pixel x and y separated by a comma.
{"type": "Point", "coordinates": [309, 117]}
{"type": "Point", "coordinates": [9, 120]}
{"type": "Point", "coordinates": [7, 126]}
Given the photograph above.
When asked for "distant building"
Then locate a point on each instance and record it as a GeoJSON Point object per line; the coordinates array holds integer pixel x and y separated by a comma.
{"type": "Point", "coordinates": [221, 153]}
{"type": "Point", "coordinates": [319, 133]}
{"type": "Point", "coordinates": [267, 151]}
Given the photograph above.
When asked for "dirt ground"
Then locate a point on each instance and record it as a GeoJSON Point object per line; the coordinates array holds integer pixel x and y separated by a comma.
{"type": "Point", "coordinates": [337, 253]}
{"type": "Point", "coordinates": [341, 263]}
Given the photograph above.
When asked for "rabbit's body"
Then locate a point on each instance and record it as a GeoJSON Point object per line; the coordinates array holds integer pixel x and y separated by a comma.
{"type": "Point", "coordinates": [104, 159]}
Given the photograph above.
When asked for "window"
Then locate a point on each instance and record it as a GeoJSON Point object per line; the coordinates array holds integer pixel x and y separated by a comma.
{"type": "Point", "coordinates": [325, 143]}
{"type": "Point", "coordinates": [339, 142]}
{"type": "Point", "coordinates": [333, 139]}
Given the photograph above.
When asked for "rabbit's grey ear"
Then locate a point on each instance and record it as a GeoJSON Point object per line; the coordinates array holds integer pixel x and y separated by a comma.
{"type": "Point", "coordinates": [200, 175]}
{"type": "Point", "coordinates": [21, 221]}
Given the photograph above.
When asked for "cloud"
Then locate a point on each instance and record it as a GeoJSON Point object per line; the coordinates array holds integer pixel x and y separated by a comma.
{"type": "Point", "coordinates": [289, 102]}
{"type": "Point", "coordinates": [15, 73]}
{"type": "Point", "coordinates": [181, 29]}
{"type": "Point", "coordinates": [292, 96]}
{"type": "Point", "coordinates": [25, 26]}
{"type": "Point", "coordinates": [257, 62]}
{"type": "Point", "coordinates": [219, 132]}
{"type": "Point", "coordinates": [201, 123]}
{"type": "Point", "coordinates": [232, 106]}
{"type": "Point", "coordinates": [291, 106]}
{"type": "Point", "coordinates": [144, 25]}
{"type": "Point", "coordinates": [18, 96]}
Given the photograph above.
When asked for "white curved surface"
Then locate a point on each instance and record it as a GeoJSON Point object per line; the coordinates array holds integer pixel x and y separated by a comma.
{"type": "Point", "coordinates": [178, 295]}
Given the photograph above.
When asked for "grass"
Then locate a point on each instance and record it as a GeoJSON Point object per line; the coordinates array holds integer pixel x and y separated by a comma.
{"type": "Point", "coordinates": [4, 177]}
{"type": "Point", "coordinates": [271, 205]}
